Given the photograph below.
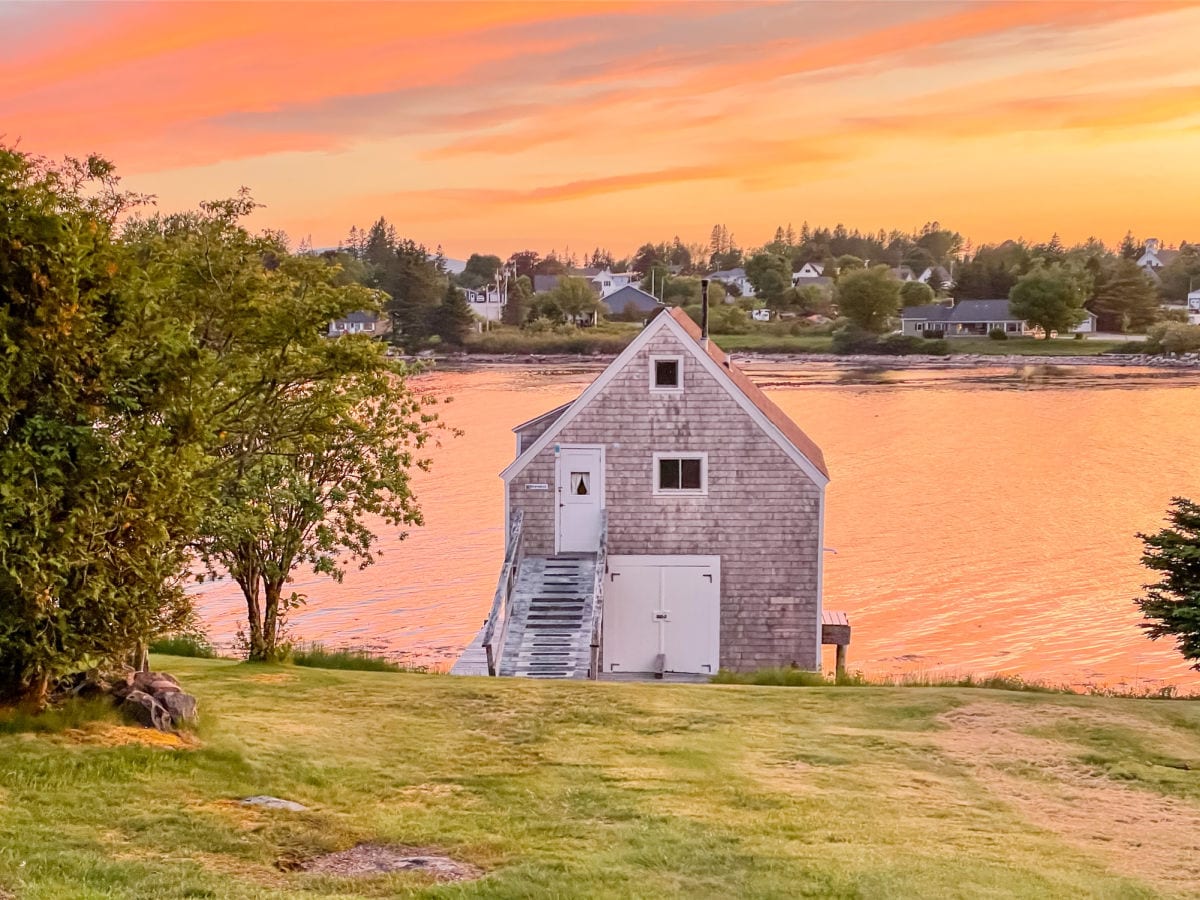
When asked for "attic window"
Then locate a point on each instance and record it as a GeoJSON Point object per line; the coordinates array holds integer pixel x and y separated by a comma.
{"type": "Point", "coordinates": [678, 473]}
{"type": "Point", "coordinates": [666, 374]}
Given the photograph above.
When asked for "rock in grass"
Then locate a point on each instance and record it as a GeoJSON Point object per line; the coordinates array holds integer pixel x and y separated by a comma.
{"type": "Point", "coordinates": [181, 706]}
{"type": "Point", "coordinates": [273, 803]}
{"type": "Point", "coordinates": [146, 710]}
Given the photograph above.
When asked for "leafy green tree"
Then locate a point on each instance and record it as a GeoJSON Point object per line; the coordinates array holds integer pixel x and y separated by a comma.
{"type": "Point", "coordinates": [311, 440]}
{"type": "Point", "coordinates": [453, 319]}
{"type": "Point", "coordinates": [770, 273]}
{"type": "Point", "coordinates": [869, 298]}
{"type": "Point", "coordinates": [479, 270]}
{"type": "Point", "coordinates": [1181, 275]}
{"type": "Point", "coordinates": [524, 262]}
{"type": "Point", "coordinates": [1172, 604]}
{"type": "Point", "coordinates": [576, 299]}
{"type": "Point", "coordinates": [1049, 298]}
{"type": "Point", "coordinates": [1126, 300]}
{"type": "Point", "coordinates": [914, 293]}
{"type": "Point", "coordinates": [98, 448]}
{"type": "Point", "coordinates": [649, 256]}
{"type": "Point", "coordinates": [848, 263]}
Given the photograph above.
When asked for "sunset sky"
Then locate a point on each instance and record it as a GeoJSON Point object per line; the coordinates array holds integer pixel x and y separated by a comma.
{"type": "Point", "coordinates": [494, 127]}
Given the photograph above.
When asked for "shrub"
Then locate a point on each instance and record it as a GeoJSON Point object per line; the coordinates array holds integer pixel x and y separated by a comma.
{"type": "Point", "coordinates": [1079, 335]}
{"type": "Point", "coordinates": [1173, 337]}
{"type": "Point", "coordinates": [193, 645]}
{"type": "Point", "coordinates": [998, 334]}
{"type": "Point", "coordinates": [850, 338]}
{"type": "Point", "coordinates": [932, 334]}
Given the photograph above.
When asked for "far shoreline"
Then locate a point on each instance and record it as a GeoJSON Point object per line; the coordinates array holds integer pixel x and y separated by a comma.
{"type": "Point", "coordinates": [1185, 363]}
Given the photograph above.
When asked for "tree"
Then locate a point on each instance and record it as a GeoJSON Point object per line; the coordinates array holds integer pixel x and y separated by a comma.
{"type": "Point", "coordinates": [313, 439]}
{"type": "Point", "coordinates": [1126, 299]}
{"type": "Point", "coordinates": [1172, 604]}
{"type": "Point", "coordinates": [770, 273]}
{"type": "Point", "coordinates": [848, 263]}
{"type": "Point", "coordinates": [309, 441]}
{"type": "Point", "coordinates": [520, 295]}
{"type": "Point", "coordinates": [479, 270]}
{"type": "Point", "coordinates": [98, 448]}
{"type": "Point", "coordinates": [914, 293]}
{"type": "Point", "coordinates": [1049, 298]}
{"type": "Point", "coordinates": [453, 319]}
{"type": "Point", "coordinates": [648, 257]}
{"type": "Point", "coordinates": [576, 299]}
{"type": "Point", "coordinates": [869, 298]}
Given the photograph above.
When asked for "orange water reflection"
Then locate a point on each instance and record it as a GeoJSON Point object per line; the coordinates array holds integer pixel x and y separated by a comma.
{"type": "Point", "coordinates": [983, 519]}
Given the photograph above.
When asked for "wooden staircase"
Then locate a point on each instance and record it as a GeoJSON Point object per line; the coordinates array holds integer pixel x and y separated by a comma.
{"type": "Point", "coordinates": [546, 616]}
{"type": "Point", "coordinates": [549, 633]}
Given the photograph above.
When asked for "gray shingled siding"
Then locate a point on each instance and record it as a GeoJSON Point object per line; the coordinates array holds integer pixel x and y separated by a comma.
{"type": "Point", "coordinates": [761, 514]}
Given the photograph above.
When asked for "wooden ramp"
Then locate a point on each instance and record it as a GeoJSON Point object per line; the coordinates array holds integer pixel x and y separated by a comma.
{"type": "Point", "coordinates": [549, 632]}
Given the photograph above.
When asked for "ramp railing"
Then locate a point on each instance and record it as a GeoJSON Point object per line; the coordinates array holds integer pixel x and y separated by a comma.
{"type": "Point", "coordinates": [498, 617]}
{"type": "Point", "coordinates": [597, 624]}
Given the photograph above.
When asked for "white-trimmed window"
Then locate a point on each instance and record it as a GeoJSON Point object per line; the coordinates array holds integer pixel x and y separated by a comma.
{"type": "Point", "coordinates": [681, 473]}
{"type": "Point", "coordinates": [666, 374]}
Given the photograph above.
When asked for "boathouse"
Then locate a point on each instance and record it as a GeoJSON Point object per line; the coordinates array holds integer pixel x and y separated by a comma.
{"type": "Point", "coordinates": [668, 521]}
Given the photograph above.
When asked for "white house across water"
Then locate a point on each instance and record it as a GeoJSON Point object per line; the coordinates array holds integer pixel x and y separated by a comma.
{"type": "Point", "coordinates": [668, 521]}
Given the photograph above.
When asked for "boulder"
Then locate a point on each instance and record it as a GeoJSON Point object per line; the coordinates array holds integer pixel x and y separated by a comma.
{"type": "Point", "coordinates": [146, 710]}
{"type": "Point", "coordinates": [157, 688]}
{"type": "Point", "coordinates": [273, 803]}
{"type": "Point", "coordinates": [180, 706]}
{"type": "Point", "coordinates": [144, 681]}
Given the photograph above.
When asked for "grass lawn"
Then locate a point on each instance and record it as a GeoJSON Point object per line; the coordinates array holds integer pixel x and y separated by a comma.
{"type": "Point", "coordinates": [613, 790]}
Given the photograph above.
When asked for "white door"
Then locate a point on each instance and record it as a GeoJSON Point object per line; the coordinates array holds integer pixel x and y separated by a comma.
{"type": "Point", "coordinates": [579, 482]}
{"type": "Point", "coordinates": [668, 605]}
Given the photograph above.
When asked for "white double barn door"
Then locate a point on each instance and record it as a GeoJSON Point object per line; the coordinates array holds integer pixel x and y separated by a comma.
{"type": "Point", "coordinates": [669, 605]}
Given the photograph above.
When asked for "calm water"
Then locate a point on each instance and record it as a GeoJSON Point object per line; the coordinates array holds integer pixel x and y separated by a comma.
{"type": "Point", "coordinates": [983, 520]}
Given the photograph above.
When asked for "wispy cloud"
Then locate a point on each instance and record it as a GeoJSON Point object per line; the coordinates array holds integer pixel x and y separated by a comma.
{"type": "Point", "coordinates": [469, 113]}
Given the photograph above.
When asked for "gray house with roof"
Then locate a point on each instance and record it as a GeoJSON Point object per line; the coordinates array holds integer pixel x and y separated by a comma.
{"type": "Point", "coordinates": [967, 318]}
{"type": "Point", "coordinates": [972, 318]}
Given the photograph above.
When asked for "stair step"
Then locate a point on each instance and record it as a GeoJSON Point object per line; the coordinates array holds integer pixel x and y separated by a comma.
{"type": "Point", "coordinates": [550, 618]}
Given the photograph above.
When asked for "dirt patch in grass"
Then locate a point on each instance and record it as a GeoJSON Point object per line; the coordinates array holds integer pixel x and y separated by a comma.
{"type": "Point", "coordinates": [100, 734]}
{"type": "Point", "coordinates": [379, 859]}
{"type": "Point", "coordinates": [1132, 832]}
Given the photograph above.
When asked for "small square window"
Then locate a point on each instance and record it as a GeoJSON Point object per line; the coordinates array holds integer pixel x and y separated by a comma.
{"type": "Point", "coordinates": [666, 373]}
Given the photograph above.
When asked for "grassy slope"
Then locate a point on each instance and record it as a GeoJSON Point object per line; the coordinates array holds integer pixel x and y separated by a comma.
{"type": "Point", "coordinates": [577, 789]}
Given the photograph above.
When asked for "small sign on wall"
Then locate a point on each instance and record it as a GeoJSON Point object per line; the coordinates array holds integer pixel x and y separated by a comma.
{"type": "Point", "coordinates": [537, 486]}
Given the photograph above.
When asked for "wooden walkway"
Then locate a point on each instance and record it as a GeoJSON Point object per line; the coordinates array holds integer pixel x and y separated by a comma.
{"type": "Point", "coordinates": [473, 660]}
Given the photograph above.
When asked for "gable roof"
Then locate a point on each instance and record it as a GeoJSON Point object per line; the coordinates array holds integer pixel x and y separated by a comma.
{"type": "Point", "coordinates": [964, 311]}
{"type": "Point", "coordinates": [773, 420]}
{"type": "Point", "coordinates": [630, 294]}
{"type": "Point", "coordinates": [549, 414]}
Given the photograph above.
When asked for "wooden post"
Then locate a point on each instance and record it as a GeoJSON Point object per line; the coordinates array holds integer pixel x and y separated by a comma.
{"type": "Point", "coordinates": [840, 664]}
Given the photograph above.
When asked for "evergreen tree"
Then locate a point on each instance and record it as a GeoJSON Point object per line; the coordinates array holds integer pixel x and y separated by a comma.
{"type": "Point", "coordinates": [1125, 300]}
{"type": "Point", "coordinates": [453, 319]}
{"type": "Point", "coordinates": [1172, 604]}
{"type": "Point", "coordinates": [520, 296]}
